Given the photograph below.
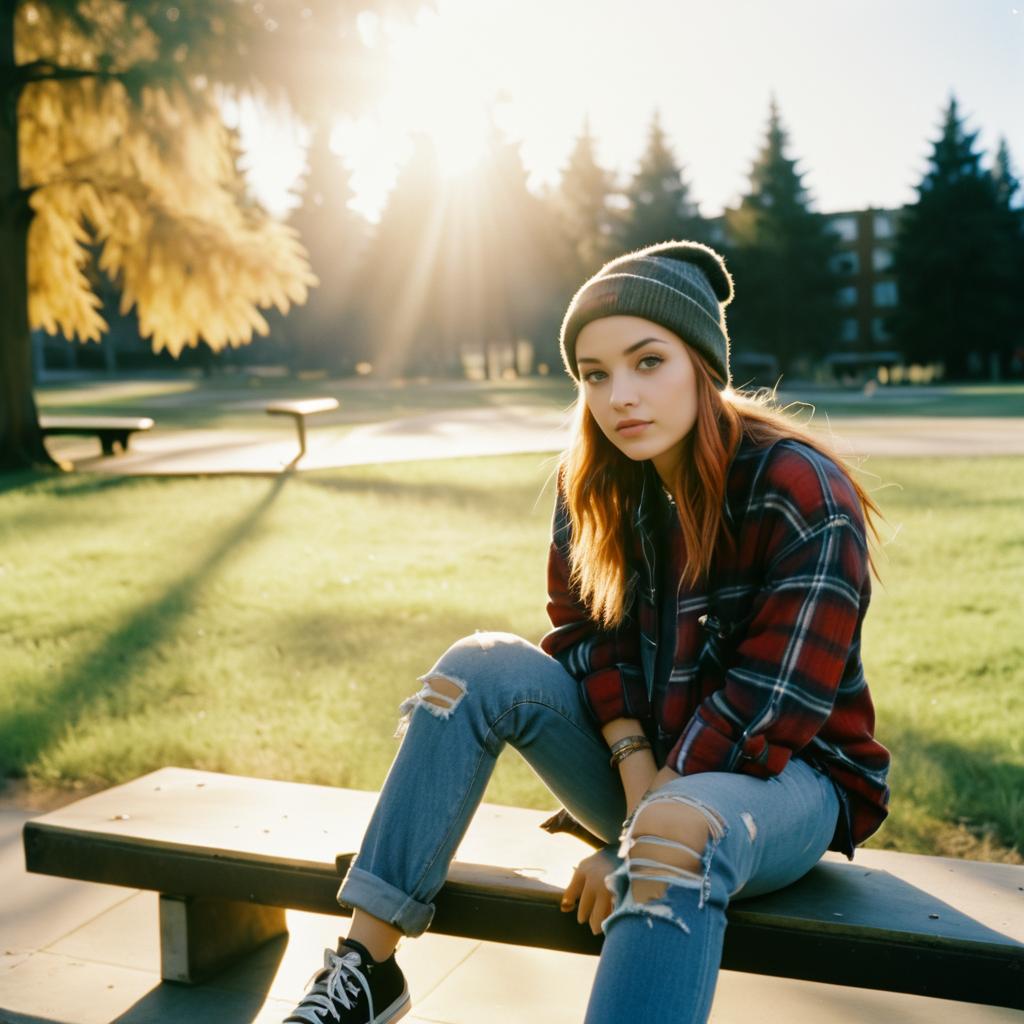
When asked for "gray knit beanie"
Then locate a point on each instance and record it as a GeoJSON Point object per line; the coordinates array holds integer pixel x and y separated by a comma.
{"type": "Point", "coordinates": [683, 286]}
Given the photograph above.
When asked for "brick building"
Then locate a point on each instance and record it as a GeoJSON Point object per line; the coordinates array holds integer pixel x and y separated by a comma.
{"type": "Point", "coordinates": [867, 292]}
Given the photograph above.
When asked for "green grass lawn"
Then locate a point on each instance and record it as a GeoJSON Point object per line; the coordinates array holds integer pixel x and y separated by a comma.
{"type": "Point", "coordinates": [272, 627]}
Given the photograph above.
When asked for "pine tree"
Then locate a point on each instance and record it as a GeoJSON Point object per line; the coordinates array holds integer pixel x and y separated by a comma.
{"type": "Point", "coordinates": [325, 332]}
{"type": "Point", "coordinates": [584, 204]}
{"type": "Point", "coordinates": [659, 207]}
{"type": "Point", "coordinates": [1006, 182]}
{"type": "Point", "coordinates": [780, 253]}
{"type": "Point", "coordinates": [399, 281]}
{"type": "Point", "coordinates": [112, 135]}
{"type": "Point", "coordinates": [958, 259]}
{"type": "Point", "coordinates": [1008, 240]}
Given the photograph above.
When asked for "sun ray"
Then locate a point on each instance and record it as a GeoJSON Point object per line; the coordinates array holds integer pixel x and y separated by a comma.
{"type": "Point", "coordinates": [408, 309]}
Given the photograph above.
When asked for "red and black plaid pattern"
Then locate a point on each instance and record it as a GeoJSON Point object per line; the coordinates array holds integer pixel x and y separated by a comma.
{"type": "Point", "coordinates": [767, 656]}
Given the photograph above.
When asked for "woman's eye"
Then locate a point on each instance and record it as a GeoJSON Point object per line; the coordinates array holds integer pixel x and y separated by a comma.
{"type": "Point", "coordinates": [594, 376]}
{"type": "Point", "coordinates": [650, 362]}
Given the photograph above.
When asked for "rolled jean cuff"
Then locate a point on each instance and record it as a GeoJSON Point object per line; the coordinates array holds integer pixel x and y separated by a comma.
{"type": "Point", "coordinates": [381, 899]}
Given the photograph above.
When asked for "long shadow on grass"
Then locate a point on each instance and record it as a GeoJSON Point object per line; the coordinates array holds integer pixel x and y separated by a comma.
{"type": "Point", "coordinates": [63, 483]}
{"type": "Point", "coordinates": [111, 666]}
{"type": "Point", "coordinates": [25, 479]}
{"type": "Point", "coordinates": [973, 776]}
{"type": "Point", "coordinates": [47, 508]}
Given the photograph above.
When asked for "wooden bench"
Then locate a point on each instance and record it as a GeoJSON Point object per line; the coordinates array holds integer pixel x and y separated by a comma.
{"type": "Point", "coordinates": [227, 853]}
{"type": "Point", "coordinates": [110, 430]}
{"type": "Point", "coordinates": [299, 410]}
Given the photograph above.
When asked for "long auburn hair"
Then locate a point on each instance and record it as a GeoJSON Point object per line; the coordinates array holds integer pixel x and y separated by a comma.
{"type": "Point", "coordinates": [602, 488]}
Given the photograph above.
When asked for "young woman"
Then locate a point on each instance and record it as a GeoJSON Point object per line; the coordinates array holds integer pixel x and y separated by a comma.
{"type": "Point", "coordinates": [699, 704]}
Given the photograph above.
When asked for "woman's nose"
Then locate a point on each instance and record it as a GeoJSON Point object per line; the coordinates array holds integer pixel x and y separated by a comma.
{"type": "Point", "coordinates": [623, 392]}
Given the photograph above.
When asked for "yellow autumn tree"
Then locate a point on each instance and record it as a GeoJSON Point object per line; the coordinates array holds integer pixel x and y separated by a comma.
{"type": "Point", "coordinates": [117, 146]}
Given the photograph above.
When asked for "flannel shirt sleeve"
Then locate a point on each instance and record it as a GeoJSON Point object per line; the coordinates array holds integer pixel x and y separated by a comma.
{"type": "Point", "coordinates": [606, 663]}
{"type": "Point", "coordinates": [781, 679]}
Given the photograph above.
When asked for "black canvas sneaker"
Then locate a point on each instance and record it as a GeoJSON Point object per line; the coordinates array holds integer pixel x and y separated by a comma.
{"type": "Point", "coordinates": [353, 988]}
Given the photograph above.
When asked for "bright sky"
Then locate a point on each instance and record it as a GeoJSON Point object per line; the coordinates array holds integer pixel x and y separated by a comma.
{"type": "Point", "coordinates": [861, 88]}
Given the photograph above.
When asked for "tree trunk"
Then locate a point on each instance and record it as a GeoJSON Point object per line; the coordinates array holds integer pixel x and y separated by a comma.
{"type": "Point", "coordinates": [21, 443]}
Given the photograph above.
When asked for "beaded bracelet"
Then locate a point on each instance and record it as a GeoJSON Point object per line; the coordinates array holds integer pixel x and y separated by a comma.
{"type": "Point", "coordinates": [621, 749]}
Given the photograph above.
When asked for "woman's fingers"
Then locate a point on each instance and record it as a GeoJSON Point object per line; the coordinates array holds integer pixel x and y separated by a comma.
{"type": "Point", "coordinates": [586, 902]}
{"type": "Point", "coordinates": [588, 893]}
{"type": "Point", "coordinates": [602, 908]}
{"type": "Point", "coordinates": [573, 890]}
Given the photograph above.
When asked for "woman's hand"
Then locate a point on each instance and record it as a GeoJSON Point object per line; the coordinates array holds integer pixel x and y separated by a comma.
{"type": "Point", "coordinates": [587, 891]}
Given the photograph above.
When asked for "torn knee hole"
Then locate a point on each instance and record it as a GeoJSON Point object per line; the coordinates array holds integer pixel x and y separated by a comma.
{"type": "Point", "coordinates": [654, 867]}
{"type": "Point", "coordinates": [441, 692]}
{"type": "Point", "coordinates": [439, 695]}
{"type": "Point", "coordinates": [665, 846]}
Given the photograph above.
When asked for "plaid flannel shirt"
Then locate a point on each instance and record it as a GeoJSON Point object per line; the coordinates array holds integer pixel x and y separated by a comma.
{"type": "Point", "coordinates": [765, 658]}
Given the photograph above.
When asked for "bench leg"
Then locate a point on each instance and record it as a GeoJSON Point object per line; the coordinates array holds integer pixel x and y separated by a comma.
{"type": "Point", "coordinates": [201, 935]}
{"type": "Point", "coordinates": [109, 440]}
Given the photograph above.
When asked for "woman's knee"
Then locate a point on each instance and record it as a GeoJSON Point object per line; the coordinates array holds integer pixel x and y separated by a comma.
{"type": "Point", "coordinates": [483, 663]}
{"type": "Point", "coordinates": [669, 841]}
{"type": "Point", "coordinates": [669, 846]}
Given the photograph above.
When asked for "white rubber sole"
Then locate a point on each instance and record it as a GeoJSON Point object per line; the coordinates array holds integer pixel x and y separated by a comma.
{"type": "Point", "coordinates": [398, 1009]}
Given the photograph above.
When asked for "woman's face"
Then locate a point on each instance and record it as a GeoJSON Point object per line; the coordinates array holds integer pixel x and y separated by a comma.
{"type": "Point", "coordinates": [640, 386]}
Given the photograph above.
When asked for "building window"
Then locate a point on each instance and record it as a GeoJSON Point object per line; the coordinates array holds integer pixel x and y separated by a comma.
{"type": "Point", "coordinates": [881, 259]}
{"type": "Point", "coordinates": [885, 293]}
{"type": "Point", "coordinates": [879, 331]}
{"type": "Point", "coordinates": [848, 330]}
{"type": "Point", "coordinates": [847, 295]}
{"type": "Point", "coordinates": [846, 263]}
{"type": "Point", "coordinates": [883, 225]}
{"type": "Point", "coordinates": [845, 228]}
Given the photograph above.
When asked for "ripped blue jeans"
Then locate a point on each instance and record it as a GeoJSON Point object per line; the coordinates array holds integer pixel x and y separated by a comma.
{"type": "Point", "coordinates": [662, 950]}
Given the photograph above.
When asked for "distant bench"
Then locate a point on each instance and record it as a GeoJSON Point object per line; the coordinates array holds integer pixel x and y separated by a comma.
{"type": "Point", "coordinates": [299, 410]}
{"type": "Point", "coordinates": [227, 853]}
{"type": "Point", "coordinates": [110, 430]}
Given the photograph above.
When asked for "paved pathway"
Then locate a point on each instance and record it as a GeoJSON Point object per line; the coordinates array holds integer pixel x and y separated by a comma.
{"type": "Point", "coordinates": [77, 953]}
{"type": "Point", "coordinates": [489, 431]}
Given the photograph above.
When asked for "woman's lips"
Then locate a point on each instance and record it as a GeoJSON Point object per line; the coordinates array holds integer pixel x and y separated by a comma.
{"type": "Point", "coordinates": [631, 428]}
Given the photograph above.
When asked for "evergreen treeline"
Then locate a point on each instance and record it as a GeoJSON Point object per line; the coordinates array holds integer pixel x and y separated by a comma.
{"type": "Point", "coordinates": [960, 260]}
{"type": "Point", "coordinates": [455, 274]}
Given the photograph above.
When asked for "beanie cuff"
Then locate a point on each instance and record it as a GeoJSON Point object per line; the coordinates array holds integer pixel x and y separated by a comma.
{"type": "Point", "coordinates": [668, 285]}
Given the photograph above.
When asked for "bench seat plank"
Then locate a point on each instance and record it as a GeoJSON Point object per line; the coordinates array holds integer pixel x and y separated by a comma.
{"type": "Point", "coordinates": [302, 406]}
{"type": "Point", "coordinates": [904, 922]}
{"type": "Point", "coordinates": [286, 824]}
{"type": "Point", "coordinates": [299, 409]}
{"type": "Point", "coordinates": [88, 424]}
{"type": "Point", "coordinates": [110, 430]}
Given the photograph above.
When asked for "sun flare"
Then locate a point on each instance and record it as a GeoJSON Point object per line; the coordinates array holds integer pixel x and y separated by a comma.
{"type": "Point", "coordinates": [436, 86]}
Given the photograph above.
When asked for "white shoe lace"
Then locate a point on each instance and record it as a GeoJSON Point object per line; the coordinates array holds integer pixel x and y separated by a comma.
{"type": "Point", "coordinates": [337, 986]}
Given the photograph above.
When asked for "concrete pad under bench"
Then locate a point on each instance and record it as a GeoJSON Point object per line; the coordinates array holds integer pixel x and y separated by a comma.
{"type": "Point", "coordinates": [227, 850]}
